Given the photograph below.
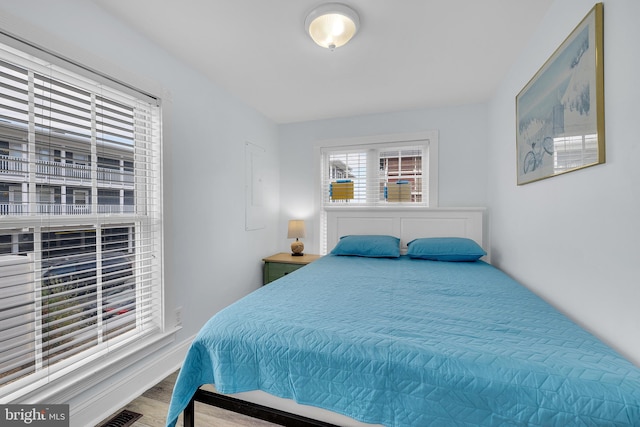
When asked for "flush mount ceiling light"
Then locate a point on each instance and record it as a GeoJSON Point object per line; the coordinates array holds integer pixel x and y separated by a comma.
{"type": "Point", "coordinates": [332, 25]}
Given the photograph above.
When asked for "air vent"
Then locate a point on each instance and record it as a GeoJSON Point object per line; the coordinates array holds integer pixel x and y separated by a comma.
{"type": "Point", "coordinates": [122, 419]}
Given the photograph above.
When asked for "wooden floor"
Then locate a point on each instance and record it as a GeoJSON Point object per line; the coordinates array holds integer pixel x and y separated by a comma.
{"type": "Point", "coordinates": [154, 403]}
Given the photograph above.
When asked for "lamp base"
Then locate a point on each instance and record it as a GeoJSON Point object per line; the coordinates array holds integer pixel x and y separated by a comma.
{"type": "Point", "coordinates": [296, 248]}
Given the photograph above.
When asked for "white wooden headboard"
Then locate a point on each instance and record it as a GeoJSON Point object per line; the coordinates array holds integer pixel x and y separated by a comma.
{"type": "Point", "coordinates": [408, 224]}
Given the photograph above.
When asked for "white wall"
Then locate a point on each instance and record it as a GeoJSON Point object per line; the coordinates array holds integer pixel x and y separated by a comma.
{"type": "Point", "coordinates": [462, 148]}
{"type": "Point", "coordinates": [210, 260]}
{"type": "Point", "coordinates": [573, 238]}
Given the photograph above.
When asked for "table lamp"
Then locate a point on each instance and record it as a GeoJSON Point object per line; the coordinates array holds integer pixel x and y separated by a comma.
{"type": "Point", "coordinates": [296, 230]}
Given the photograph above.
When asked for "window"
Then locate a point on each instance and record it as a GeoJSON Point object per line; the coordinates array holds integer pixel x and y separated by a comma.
{"type": "Point", "coordinates": [80, 219]}
{"type": "Point", "coordinates": [373, 176]}
{"type": "Point", "coordinates": [378, 172]}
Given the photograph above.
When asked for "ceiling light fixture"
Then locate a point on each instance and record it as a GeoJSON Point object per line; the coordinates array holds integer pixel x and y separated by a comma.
{"type": "Point", "coordinates": [332, 25]}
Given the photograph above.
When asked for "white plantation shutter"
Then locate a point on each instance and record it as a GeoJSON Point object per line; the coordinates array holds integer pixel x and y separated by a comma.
{"type": "Point", "coordinates": [80, 219]}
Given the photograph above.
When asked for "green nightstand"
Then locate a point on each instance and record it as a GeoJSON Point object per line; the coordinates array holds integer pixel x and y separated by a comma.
{"type": "Point", "coordinates": [279, 265]}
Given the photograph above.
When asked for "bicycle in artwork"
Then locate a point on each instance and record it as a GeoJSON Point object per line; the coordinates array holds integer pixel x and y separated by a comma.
{"type": "Point", "coordinates": [534, 158]}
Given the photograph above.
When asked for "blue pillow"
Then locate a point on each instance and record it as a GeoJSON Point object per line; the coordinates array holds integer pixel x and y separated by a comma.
{"type": "Point", "coordinates": [373, 246]}
{"type": "Point", "coordinates": [445, 249]}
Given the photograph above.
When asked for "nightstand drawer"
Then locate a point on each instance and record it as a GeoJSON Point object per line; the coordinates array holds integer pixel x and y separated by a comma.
{"type": "Point", "coordinates": [281, 264]}
{"type": "Point", "coordinates": [274, 270]}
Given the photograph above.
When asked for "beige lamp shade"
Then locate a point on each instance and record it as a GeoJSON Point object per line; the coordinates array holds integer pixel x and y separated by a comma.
{"type": "Point", "coordinates": [296, 229]}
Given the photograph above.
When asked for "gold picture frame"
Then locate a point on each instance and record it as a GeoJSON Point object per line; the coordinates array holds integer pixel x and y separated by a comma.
{"type": "Point", "coordinates": [560, 112]}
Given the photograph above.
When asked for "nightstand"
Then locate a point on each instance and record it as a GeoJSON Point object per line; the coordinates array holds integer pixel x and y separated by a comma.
{"type": "Point", "coordinates": [281, 264]}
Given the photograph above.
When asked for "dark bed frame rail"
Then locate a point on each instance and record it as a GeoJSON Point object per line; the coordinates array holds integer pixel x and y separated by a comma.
{"type": "Point", "coordinates": [253, 410]}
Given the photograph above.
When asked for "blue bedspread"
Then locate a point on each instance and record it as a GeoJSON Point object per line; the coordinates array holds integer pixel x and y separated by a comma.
{"type": "Point", "coordinates": [405, 342]}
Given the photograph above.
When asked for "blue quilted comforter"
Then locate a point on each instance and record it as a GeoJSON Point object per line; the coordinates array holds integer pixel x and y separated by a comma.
{"type": "Point", "coordinates": [405, 342]}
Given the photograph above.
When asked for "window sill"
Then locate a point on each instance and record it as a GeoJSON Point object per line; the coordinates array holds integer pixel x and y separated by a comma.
{"type": "Point", "coordinates": [65, 388]}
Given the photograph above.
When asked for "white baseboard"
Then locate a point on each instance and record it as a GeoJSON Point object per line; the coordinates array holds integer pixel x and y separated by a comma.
{"type": "Point", "coordinates": [116, 391]}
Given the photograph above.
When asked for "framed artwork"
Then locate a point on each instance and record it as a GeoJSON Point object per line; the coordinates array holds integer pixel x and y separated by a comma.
{"type": "Point", "coordinates": [560, 112]}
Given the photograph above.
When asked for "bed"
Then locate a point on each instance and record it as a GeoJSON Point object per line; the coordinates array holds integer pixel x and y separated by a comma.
{"type": "Point", "coordinates": [407, 339]}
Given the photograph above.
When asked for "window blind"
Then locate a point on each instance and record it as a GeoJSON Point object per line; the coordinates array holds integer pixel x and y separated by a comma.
{"type": "Point", "coordinates": [80, 219]}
